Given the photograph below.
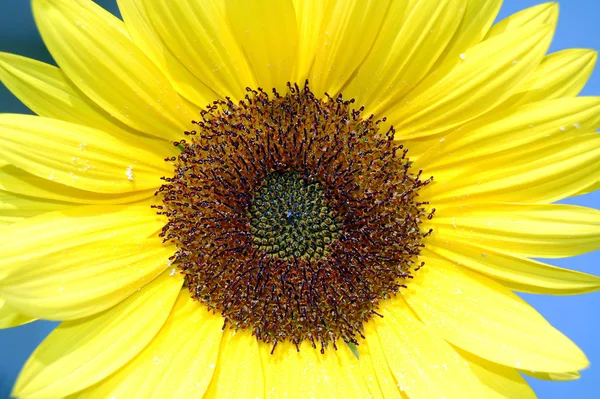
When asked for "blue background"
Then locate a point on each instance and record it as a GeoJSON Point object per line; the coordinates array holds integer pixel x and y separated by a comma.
{"type": "Point", "coordinates": [576, 316]}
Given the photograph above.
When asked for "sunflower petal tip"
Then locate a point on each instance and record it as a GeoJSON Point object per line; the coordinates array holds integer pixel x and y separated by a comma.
{"type": "Point", "coordinates": [548, 8]}
{"type": "Point", "coordinates": [553, 6]}
{"type": "Point", "coordinates": [579, 361]}
{"type": "Point", "coordinates": [548, 12]}
{"type": "Point", "coordinates": [586, 55]}
{"type": "Point", "coordinates": [28, 386]}
{"type": "Point", "coordinates": [5, 59]}
{"type": "Point", "coordinates": [19, 389]}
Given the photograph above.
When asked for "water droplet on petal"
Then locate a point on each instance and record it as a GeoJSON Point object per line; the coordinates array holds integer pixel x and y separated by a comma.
{"type": "Point", "coordinates": [129, 173]}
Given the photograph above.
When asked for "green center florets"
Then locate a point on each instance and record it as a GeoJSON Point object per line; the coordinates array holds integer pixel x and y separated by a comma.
{"type": "Point", "coordinates": [289, 217]}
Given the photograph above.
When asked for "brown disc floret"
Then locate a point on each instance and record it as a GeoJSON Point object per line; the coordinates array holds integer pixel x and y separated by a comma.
{"type": "Point", "coordinates": [293, 215]}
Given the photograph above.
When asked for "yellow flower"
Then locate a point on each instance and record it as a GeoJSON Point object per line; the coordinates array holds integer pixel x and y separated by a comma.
{"type": "Point", "coordinates": [286, 228]}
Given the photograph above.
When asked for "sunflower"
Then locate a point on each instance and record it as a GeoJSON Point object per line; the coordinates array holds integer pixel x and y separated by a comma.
{"type": "Point", "coordinates": [295, 199]}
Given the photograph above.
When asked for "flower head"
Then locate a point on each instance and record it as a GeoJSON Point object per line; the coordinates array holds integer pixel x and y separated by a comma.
{"type": "Point", "coordinates": [295, 198]}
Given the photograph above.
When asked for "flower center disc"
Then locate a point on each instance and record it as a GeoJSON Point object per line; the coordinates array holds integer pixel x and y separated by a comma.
{"type": "Point", "coordinates": [290, 218]}
{"type": "Point", "coordinates": [292, 215]}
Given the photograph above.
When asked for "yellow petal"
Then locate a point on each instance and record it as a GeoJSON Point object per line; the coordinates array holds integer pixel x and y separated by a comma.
{"type": "Point", "coordinates": [488, 73]}
{"type": "Point", "coordinates": [19, 182]}
{"type": "Point", "coordinates": [309, 16]}
{"type": "Point", "coordinates": [15, 208]}
{"type": "Point", "coordinates": [210, 51]}
{"type": "Point", "coordinates": [82, 352]}
{"type": "Point", "coordinates": [374, 366]}
{"type": "Point", "coordinates": [536, 15]}
{"type": "Point", "coordinates": [142, 33]}
{"type": "Point", "coordinates": [501, 382]}
{"type": "Point", "coordinates": [425, 366]}
{"type": "Point", "coordinates": [54, 232]}
{"type": "Point", "coordinates": [593, 186]}
{"type": "Point", "coordinates": [84, 279]}
{"type": "Point", "coordinates": [540, 16]}
{"type": "Point", "coordinates": [534, 173]}
{"type": "Point", "coordinates": [78, 156]}
{"type": "Point", "coordinates": [559, 77]}
{"type": "Point", "coordinates": [239, 372]}
{"type": "Point", "coordinates": [562, 74]}
{"type": "Point", "coordinates": [11, 317]}
{"type": "Point", "coordinates": [478, 17]}
{"type": "Point", "coordinates": [348, 31]}
{"type": "Point", "coordinates": [309, 374]}
{"type": "Point", "coordinates": [529, 230]}
{"type": "Point", "coordinates": [516, 273]}
{"type": "Point", "coordinates": [45, 90]}
{"type": "Point", "coordinates": [568, 376]}
{"type": "Point", "coordinates": [497, 133]}
{"type": "Point", "coordinates": [404, 51]}
{"type": "Point", "coordinates": [482, 317]}
{"type": "Point", "coordinates": [178, 363]}
{"type": "Point", "coordinates": [125, 83]}
{"type": "Point", "coordinates": [267, 32]}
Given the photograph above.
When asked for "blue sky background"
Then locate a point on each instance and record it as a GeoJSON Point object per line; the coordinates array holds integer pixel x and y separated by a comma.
{"type": "Point", "coordinates": [576, 316]}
